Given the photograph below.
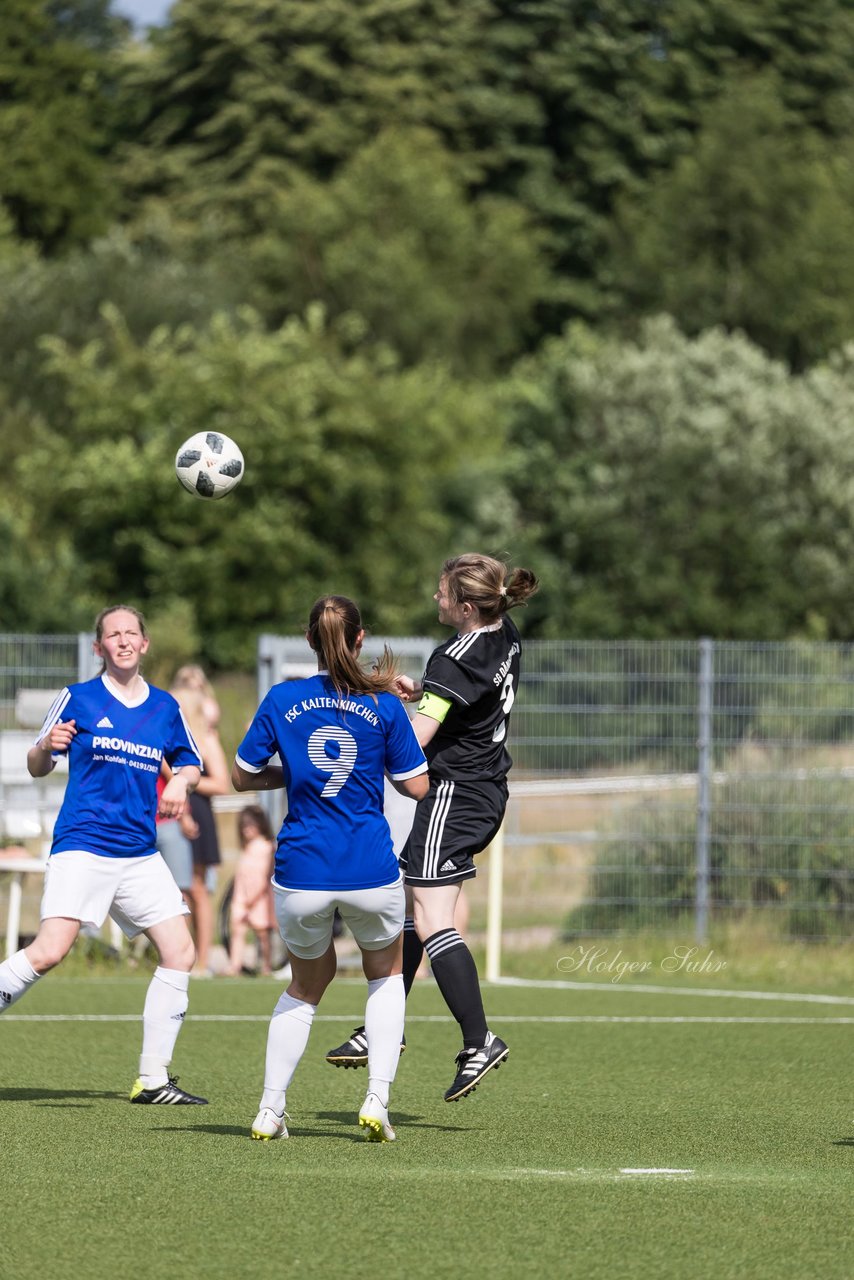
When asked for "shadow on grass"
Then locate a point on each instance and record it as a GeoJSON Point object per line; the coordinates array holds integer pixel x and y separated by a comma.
{"type": "Point", "coordinates": [236, 1131]}
{"type": "Point", "coordinates": [57, 1096]}
{"type": "Point", "coordinates": [397, 1117]}
{"type": "Point", "coordinates": [345, 1118]}
{"type": "Point", "coordinates": [218, 1130]}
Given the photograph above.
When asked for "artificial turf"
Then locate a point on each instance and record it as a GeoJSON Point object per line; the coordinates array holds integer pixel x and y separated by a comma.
{"type": "Point", "coordinates": [525, 1178]}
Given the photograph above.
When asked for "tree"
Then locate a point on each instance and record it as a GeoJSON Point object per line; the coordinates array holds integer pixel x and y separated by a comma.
{"type": "Point", "coordinates": [563, 106]}
{"type": "Point", "coordinates": [35, 576]}
{"type": "Point", "coordinates": [352, 467]}
{"type": "Point", "coordinates": [752, 229]}
{"type": "Point", "coordinates": [394, 240]}
{"type": "Point", "coordinates": [55, 112]}
{"type": "Point", "coordinates": [149, 283]}
{"type": "Point", "coordinates": [678, 487]}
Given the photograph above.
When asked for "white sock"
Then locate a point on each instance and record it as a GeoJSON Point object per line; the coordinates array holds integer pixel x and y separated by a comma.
{"type": "Point", "coordinates": [17, 975]}
{"type": "Point", "coordinates": [162, 1018]}
{"type": "Point", "coordinates": [286, 1041]}
{"type": "Point", "coordinates": [384, 1016]}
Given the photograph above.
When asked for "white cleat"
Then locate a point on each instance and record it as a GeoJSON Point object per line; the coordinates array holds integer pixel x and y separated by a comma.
{"type": "Point", "coordinates": [268, 1126]}
{"type": "Point", "coordinates": [373, 1118]}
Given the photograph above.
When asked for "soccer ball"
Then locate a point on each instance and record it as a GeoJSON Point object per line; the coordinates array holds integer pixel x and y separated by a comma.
{"type": "Point", "coordinates": [209, 464]}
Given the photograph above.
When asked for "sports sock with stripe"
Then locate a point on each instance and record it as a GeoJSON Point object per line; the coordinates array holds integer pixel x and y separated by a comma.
{"type": "Point", "coordinates": [413, 952]}
{"type": "Point", "coordinates": [456, 975]}
{"type": "Point", "coordinates": [166, 1003]}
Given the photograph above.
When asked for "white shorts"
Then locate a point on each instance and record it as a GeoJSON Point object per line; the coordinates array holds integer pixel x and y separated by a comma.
{"type": "Point", "coordinates": [135, 892]}
{"type": "Point", "coordinates": [373, 916]}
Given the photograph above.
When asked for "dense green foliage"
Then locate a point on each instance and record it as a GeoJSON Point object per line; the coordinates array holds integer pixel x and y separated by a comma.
{"type": "Point", "coordinates": [319, 407]}
{"type": "Point", "coordinates": [753, 228]}
{"type": "Point", "coordinates": [677, 487]}
{"type": "Point", "coordinates": [55, 107]}
{"type": "Point", "coordinates": [409, 255]}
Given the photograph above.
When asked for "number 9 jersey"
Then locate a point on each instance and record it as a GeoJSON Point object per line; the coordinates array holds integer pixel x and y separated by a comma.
{"type": "Point", "coordinates": [335, 751]}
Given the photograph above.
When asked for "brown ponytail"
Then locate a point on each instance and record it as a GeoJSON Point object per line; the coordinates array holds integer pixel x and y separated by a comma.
{"type": "Point", "coordinates": [333, 631]}
{"type": "Point", "coordinates": [484, 583]}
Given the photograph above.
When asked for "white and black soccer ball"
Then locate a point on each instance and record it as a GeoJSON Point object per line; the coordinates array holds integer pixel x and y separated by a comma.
{"type": "Point", "coordinates": [209, 464]}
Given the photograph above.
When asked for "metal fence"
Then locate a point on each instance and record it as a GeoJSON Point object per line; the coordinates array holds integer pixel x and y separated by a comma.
{"type": "Point", "coordinates": [672, 785]}
{"type": "Point", "coordinates": [675, 785]}
{"type": "Point", "coordinates": [657, 785]}
{"type": "Point", "coordinates": [32, 670]}
{"type": "Point", "coordinates": [38, 664]}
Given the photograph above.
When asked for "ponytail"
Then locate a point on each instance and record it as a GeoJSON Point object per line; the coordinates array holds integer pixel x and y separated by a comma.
{"type": "Point", "coordinates": [334, 626]}
{"type": "Point", "coordinates": [482, 581]}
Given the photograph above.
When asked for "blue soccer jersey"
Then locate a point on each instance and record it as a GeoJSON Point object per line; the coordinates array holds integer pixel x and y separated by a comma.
{"type": "Point", "coordinates": [113, 765]}
{"type": "Point", "coordinates": [334, 752]}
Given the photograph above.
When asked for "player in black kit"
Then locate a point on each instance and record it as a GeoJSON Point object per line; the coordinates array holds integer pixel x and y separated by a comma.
{"type": "Point", "coordinates": [466, 695]}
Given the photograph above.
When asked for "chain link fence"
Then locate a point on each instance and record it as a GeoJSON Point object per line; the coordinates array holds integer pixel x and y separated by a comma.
{"type": "Point", "coordinates": [33, 665]}
{"type": "Point", "coordinates": [32, 671]}
{"type": "Point", "coordinates": [675, 785]}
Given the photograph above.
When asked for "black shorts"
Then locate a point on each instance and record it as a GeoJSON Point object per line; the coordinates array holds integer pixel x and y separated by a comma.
{"type": "Point", "coordinates": [206, 843]}
{"type": "Point", "coordinates": [453, 822]}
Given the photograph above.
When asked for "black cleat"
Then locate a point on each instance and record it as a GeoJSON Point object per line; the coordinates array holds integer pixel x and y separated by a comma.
{"type": "Point", "coordinates": [168, 1095]}
{"type": "Point", "coordinates": [354, 1052]}
{"type": "Point", "coordinates": [473, 1064]}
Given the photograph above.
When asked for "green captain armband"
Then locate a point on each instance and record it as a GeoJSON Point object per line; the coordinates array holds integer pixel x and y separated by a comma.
{"type": "Point", "coordinates": [433, 706]}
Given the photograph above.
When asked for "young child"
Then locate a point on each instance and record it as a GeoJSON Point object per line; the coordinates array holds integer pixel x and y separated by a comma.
{"type": "Point", "coordinates": [252, 900]}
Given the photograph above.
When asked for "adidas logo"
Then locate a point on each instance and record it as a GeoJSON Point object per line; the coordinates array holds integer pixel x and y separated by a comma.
{"type": "Point", "coordinates": [448, 866]}
{"type": "Point", "coordinates": [105, 723]}
{"type": "Point", "coordinates": [5, 998]}
{"type": "Point", "coordinates": [178, 1017]}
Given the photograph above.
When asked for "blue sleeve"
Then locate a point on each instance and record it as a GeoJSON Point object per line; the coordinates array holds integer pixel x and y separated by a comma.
{"type": "Point", "coordinates": [62, 708]}
{"type": "Point", "coordinates": [403, 755]}
{"type": "Point", "coordinates": [180, 749]}
{"type": "Point", "coordinates": [260, 742]}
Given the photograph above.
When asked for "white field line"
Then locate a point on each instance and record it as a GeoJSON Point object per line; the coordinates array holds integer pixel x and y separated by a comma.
{"type": "Point", "coordinates": [592, 1175]}
{"type": "Point", "coordinates": [545, 984]}
{"type": "Point", "coordinates": [497, 1018]}
{"type": "Point", "coordinates": [557, 984]}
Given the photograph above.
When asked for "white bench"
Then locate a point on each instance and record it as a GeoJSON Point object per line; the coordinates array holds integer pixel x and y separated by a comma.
{"type": "Point", "coordinates": [28, 806]}
{"type": "Point", "coordinates": [32, 705]}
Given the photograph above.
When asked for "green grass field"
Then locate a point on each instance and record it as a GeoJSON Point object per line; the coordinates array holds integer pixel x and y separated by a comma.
{"type": "Point", "coordinates": [529, 1177]}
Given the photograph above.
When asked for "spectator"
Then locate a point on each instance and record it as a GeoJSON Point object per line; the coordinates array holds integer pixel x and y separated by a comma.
{"type": "Point", "coordinates": [195, 705]}
{"type": "Point", "coordinates": [252, 896]}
